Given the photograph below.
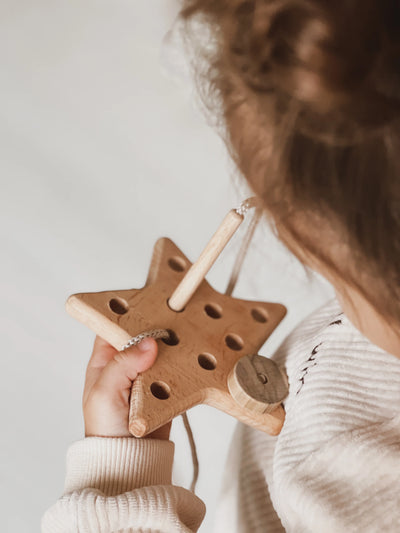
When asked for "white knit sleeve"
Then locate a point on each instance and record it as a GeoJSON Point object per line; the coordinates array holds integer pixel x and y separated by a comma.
{"type": "Point", "coordinates": [351, 484]}
{"type": "Point", "coordinates": [124, 485]}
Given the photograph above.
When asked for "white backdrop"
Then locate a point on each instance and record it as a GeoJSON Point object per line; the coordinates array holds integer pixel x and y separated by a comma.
{"type": "Point", "coordinates": [102, 151]}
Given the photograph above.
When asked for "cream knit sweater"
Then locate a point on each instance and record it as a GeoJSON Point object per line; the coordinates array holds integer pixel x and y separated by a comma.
{"type": "Point", "coordinates": [335, 467]}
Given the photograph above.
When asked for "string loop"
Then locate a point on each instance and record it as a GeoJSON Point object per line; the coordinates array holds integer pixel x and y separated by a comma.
{"type": "Point", "coordinates": [153, 333]}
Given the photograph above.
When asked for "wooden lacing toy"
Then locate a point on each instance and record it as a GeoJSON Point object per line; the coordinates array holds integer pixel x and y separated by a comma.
{"type": "Point", "coordinates": [209, 341]}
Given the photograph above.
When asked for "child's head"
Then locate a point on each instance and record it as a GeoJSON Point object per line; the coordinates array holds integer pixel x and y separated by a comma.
{"type": "Point", "coordinates": [309, 94]}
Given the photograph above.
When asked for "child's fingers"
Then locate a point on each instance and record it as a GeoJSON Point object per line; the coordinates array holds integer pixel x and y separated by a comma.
{"type": "Point", "coordinates": [117, 376]}
{"type": "Point", "coordinates": [108, 386]}
{"type": "Point", "coordinates": [102, 353]}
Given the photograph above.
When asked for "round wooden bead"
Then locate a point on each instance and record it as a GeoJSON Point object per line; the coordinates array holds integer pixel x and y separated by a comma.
{"type": "Point", "coordinates": [257, 383]}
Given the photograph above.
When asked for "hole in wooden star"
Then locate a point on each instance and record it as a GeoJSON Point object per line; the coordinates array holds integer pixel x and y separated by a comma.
{"type": "Point", "coordinates": [207, 361]}
{"type": "Point", "coordinates": [118, 306]}
{"type": "Point", "coordinates": [213, 310]}
{"type": "Point", "coordinates": [160, 390]}
{"type": "Point", "coordinates": [177, 264]}
{"type": "Point", "coordinates": [173, 338]}
{"type": "Point", "coordinates": [259, 315]}
{"type": "Point", "coordinates": [234, 342]}
{"type": "Point", "coordinates": [262, 378]}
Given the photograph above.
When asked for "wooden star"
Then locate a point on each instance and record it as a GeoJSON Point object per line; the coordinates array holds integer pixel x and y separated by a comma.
{"type": "Point", "coordinates": [207, 339]}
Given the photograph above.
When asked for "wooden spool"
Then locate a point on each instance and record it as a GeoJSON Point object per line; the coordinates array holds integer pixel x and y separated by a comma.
{"type": "Point", "coordinates": [208, 336]}
{"type": "Point", "coordinates": [258, 384]}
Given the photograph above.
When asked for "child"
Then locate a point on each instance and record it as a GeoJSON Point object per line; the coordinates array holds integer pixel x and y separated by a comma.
{"type": "Point", "coordinates": [309, 95]}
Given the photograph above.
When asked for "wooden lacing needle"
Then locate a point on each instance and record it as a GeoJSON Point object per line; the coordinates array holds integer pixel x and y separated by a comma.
{"type": "Point", "coordinates": [198, 271]}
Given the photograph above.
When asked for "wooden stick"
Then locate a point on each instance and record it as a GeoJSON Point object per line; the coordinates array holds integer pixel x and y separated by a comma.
{"type": "Point", "coordinates": [200, 268]}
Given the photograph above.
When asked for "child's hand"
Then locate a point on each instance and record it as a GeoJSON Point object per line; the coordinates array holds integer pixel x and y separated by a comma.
{"type": "Point", "coordinates": [109, 378]}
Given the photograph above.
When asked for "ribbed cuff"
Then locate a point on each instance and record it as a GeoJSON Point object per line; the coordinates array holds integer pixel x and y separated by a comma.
{"type": "Point", "coordinates": [117, 465]}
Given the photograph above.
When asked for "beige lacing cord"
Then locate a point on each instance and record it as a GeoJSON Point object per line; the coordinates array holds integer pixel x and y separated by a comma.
{"type": "Point", "coordinates": [243, 251]}
{"type": "Point", "coordinates": [195, 459]}
{"type": "Point", "coordinates": [163, 333]}
{"type": "Point", "coordinates": [153, 333]}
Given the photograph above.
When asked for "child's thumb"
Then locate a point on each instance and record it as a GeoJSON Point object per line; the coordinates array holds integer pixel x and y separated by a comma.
{"type": "Point", "coordinates": [123, 368]}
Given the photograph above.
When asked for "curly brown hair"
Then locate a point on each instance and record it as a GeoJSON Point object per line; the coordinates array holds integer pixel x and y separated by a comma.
{"type": "Point", "coordinates": [308, 93]}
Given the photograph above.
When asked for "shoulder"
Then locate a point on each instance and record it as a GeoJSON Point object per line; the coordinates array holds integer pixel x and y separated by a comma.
{"type": "Point", "coordinates": [307, 330]}
{"type": "Point", "coordinates": [338, 381]}
{"type": "Point", "coordinates": [339, 448]}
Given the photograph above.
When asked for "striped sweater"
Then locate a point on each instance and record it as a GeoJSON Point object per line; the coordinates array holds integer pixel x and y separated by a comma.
{"type": "Point", "coordinates": [335, 467]}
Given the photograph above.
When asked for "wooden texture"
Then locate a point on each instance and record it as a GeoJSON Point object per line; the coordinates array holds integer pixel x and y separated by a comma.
{"type": "Point", "coordinates": [257, 383]}
{"type": "Point", "coordinates": [213, 332]}
{"type": "Point", "coordinates": [198, 271]}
